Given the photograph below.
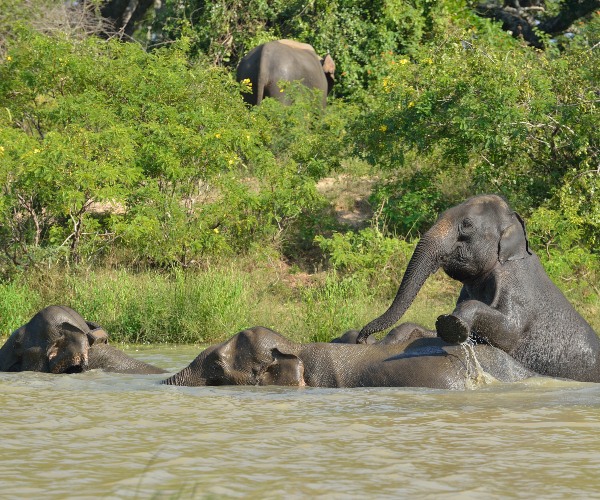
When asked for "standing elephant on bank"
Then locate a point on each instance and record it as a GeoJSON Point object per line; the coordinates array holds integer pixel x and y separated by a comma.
{"type": "Point", "coordinates": [58, 340]}
{"type": "Point", "coordinates": [507, 300]}
{"type": "Point", "coordinates": [260, 356]}
{"type": "Point", "coordinates": [284, 60]}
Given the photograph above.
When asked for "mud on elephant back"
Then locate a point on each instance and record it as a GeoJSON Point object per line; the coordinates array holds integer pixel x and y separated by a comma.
{"type": "Point", "coordinates": [507, 299]}
{"type": "Point", "coordinates": [58, 340]}
{"type": "Point", "coordinates": [409, 358]}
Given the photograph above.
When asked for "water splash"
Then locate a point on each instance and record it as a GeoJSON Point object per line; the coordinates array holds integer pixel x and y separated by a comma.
{"type": "Point", "coordinates": [475, 375]}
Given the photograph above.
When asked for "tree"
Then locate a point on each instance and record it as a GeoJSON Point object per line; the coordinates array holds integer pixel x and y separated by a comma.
{"type": "Point", "coordinates": [532, 21]}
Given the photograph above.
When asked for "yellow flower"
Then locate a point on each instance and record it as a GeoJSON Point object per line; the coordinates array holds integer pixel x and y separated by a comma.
{"type": "Point", "coordinates": [8, 58]}
{"type": "Point", "coordinates": [411, 104]}
{"type": "Point", "coordinates": [230, 162]}
{"type": "Point", "coordinates": [218, 136]}
{"type": "Point", "coordinates": [216, 230]}
{"type": "Point", "coordinates": [1, 150]}
{"type": "Point", "coordinates": [403, 61]}
{"type": "Point", "coordinates": [383, 128]}
{"type": "Point", "coordinates": [429, 60]}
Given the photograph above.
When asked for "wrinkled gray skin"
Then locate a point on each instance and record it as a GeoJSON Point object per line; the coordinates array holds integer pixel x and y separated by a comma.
{"type": "Point", "coordinates": [284, 60]}
{"type": "Point", "coordinates": [507, 300]}
{"type": "Point", "coordinates": [58, 340]}
{"type": "Point", "coordinates": [404, 333]}
{"type": "Point", "coordinates": [110, 359]}
{"type": "Point", "coordinates": [259, 356]}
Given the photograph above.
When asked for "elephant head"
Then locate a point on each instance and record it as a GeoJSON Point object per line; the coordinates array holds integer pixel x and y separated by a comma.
{"type": "Point", "coordinates": [256, 356]}
{"type": "Point", "coordinates": [468, 241]}
{"type": "Point", "coordinates": [329, 69]}
{"type": "Point", "coordinates": [56, 340]}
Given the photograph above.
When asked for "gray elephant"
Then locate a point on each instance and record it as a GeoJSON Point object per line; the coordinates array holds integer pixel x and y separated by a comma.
{"type": "Point", "coordinates": [402, 334]}
{"type": "Point", "coordinates": [284, 60]}
{"type": "Point", "coordinates": [58, 340]}
{"type": "Point", "coordinates": [507, 300]}
{"type": "Point", "coordinates": [260, 356]}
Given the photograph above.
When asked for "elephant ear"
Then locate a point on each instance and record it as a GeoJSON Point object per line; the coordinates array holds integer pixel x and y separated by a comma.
{"type": "Point", "coordinates": [513, 244]}
{"type": "Point", "coordinates": [11, 353]}
{"type": "Point", "coordinates": [286, 369]}
{"type": "Point", "coordinates": [97, 334]}
{"type": "Point", "coordinates": [328, 65]}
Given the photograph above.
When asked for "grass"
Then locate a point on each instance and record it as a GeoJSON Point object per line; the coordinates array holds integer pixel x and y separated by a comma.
{"type": "Point", "coordinates": [198, 307]}
{"type": "Point", "coordinates": [193, 307]}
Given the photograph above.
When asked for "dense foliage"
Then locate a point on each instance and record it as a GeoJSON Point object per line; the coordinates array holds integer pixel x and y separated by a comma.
{"type": "Point", "coordinates": [483, 114]}
{"type": "Point", "coordinates": [145, 157]}
{"type": "Point", "coordinates": [106, 145]}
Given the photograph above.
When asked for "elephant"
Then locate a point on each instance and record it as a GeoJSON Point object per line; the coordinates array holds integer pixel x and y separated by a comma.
{"type": "Point", "coordinates": [404, 333]}
{"type": "Point", "coordinates": [507, 300]}
{"type": "Point", "coordinates": [284, 60]}
{"type": "Point", "coordinates": [58, 340]}
{"type": "Point", "coordinates": [261, 356]}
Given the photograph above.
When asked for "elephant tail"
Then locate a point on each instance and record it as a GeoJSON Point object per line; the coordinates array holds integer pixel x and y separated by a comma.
{"type": "Point", "coordinates": [261, 82]}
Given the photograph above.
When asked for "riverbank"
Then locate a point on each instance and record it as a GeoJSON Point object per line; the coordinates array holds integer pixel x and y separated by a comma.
{"type": "Point", "coordinates": [210, 304]}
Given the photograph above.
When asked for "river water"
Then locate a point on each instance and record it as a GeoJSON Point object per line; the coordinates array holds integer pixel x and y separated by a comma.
{"type": "Point", "coordinates": [100, 435]}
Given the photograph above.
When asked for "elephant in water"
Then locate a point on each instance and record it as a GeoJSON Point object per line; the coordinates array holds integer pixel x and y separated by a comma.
{"type": "Point", "coordinates": [507, 300]}
{"type": "Point", "coordinates": [58, 340]}
{"type": "Point", "coordinates": [260, 356]}
{"type": "Point", "coordinates": [284, 60]}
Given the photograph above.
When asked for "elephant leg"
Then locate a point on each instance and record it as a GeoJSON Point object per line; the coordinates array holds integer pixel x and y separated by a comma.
{"type": "Point", "coordinates": [472, 317]}
{"type": "Point", "coordinates": [349, 337]}
{"type": "Point", "coordinates": [406, 333]}
{"type": "Point", "coordinates": [271, 89]}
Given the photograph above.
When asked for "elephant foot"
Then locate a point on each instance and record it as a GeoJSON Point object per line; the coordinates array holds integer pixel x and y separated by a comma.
{"type": "Point", "coordinates": [452, 329]}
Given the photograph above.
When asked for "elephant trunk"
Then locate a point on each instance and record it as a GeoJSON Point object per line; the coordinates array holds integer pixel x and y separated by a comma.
{"type": "Point", "coordinates": [198, 372]}
{"type": "Point", "coordinates": [426, 259]}
{"type": "Point", "coordinates": [185, 377]}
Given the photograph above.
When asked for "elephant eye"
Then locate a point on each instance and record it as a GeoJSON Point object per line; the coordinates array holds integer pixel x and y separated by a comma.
{"type": "Point", "coordinates": [466, 226]}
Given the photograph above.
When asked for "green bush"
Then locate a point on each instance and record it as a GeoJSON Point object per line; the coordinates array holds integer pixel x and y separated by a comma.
{"type": "Point", "coordinates": [368, 254]}
{"type": "Point", "coordinates": [480, 112]}
{"type": "Point", "coordinates": [18, 303]}
{"type": "Point", "coordinates": [112, 157]}
{"type": "Point", "coordinates": [107, 148]}
{"type": "Point", "coordinates": [330, 309]}
{"type": "Point", "coordinates": [357, 33]}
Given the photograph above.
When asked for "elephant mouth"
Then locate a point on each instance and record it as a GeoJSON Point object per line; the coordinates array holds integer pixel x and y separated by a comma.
{"type": "Point", "coordinates": [74, 369]}
{"type": "Point", "coordinates": [74, 366]}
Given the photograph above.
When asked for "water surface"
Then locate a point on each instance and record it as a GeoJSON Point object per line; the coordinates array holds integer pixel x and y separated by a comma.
{"type": "Point", "coordinates": [100, 435]}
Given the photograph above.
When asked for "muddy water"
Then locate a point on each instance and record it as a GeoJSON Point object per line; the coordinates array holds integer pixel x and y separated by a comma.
{"type": "Point", "coordinates": [98, 435]}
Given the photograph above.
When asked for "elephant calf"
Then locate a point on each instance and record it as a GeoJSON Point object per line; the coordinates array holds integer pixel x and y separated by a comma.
{"type": "Point", "coordinates": [260, 356]}
{"type": "Point", "coordinates": [58, 340]}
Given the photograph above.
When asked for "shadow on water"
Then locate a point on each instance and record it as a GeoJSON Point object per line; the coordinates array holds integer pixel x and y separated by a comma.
{"type": "Point", "coordinates": [100, 435]}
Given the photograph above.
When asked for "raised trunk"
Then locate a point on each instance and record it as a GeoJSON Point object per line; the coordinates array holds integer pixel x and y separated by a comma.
{"type": "Point", "coordinates": [424, 262]}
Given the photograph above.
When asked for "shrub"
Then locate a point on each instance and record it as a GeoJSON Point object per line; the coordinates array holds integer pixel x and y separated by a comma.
{"type": "Point", "coordinates": [107, 147]}
{"type": "Point", "coordinates": [480, 112]}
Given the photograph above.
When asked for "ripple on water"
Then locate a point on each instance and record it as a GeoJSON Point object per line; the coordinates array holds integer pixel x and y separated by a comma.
{"type": "Point", "coordinates": [126, 436]}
